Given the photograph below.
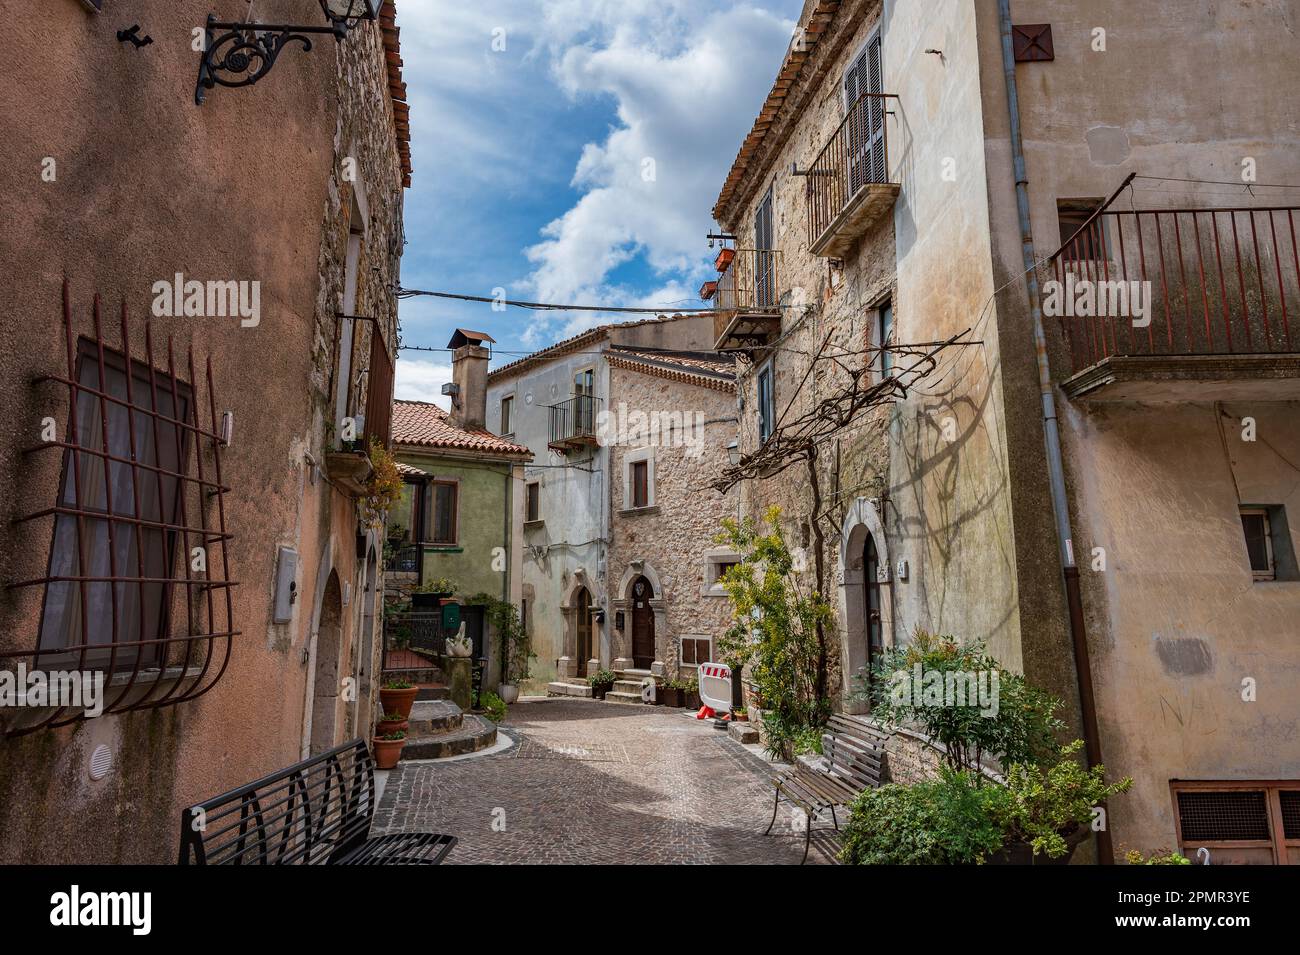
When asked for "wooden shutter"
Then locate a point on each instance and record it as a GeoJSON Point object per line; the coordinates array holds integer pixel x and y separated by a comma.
{"type": "Point", "coordinates": [379, 399]}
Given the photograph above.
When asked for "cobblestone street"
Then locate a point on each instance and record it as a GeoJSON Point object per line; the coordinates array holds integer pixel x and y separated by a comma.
{"type": "Point", "coordinates": [591, 782]}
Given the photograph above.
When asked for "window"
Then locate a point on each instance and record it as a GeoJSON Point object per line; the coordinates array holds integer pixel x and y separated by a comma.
{"type": "Point", "coordinates": [1268, 542]}
{"type": "Point", "coordinates": [866, 124]}
{"type": "Point", "coordinates": [507, 415]}
{"type": "Point", "coordinates": [640, 483]}
{"type": "Point", "coordinates": [131, 516]}
{"type": "Point", "coordinates": [884, 338]}
{"type": "Point", "coordinates": [1071, 214]}
{"type": "Point", "coordinates": [696, 650]}
{"type": "Point", "coordinates": [764, 259]}
{"type": "Point", "coordinates": [766, 403]}
{"type": "Point", "coordinates": [441, 503]}
{"type": "Point", "coordinates": [1239, 822]}
{"type": "Point", "coordinates": [717, 564]}
{"type": "Point", "coordinates": [533, 501]}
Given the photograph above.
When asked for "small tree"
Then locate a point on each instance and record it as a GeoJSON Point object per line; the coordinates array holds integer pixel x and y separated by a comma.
{"type": "Point", "coordinates": [515, 641]}
{"type": "Point", "coordinates": [774, 625]}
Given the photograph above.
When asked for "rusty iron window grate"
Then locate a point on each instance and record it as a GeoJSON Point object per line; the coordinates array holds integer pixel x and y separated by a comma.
{"type": "Point", "coordinates": [137, 586]}
{"type": "Point", "coordinates": [1229, 816]}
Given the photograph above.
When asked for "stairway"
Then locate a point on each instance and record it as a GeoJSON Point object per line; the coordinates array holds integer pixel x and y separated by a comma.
{"type": "Point", "coordinates": [569, 686]}
{"type": "Point", "coordinates": [627, 688]}
{"type": "Point", "coordinates": [428, 679]}
{"type": "Point", "coordinates": [438, 729]}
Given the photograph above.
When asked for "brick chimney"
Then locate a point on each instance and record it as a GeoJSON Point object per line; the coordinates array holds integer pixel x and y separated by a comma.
{"type": "Point", "coordinates": [469, 366]}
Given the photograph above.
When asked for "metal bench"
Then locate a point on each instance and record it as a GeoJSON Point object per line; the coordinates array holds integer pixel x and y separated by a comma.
{"type": "Point", "coordinates": [316, 812]}
{"type": "Point", "coordinates": [853, 752]}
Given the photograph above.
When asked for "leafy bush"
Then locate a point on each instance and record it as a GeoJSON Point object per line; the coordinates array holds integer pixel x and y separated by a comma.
{"type": "Point", "coordinates": [1047, 803]}
{"type": "Point", "coordinates": [785, 741]}
{"type": "Point", "coordinates": [1023, 729]}
{"type": "Point", "coordinates": [383, 489]}
{"type": "Point", "coordinates": [1159, 857]}
{"type": "Point", "coordinates": [949, 821]}
{"type": "Point", "coordinates": [494, 708]}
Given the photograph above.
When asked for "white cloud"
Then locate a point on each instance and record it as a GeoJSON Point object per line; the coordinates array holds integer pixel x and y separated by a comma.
{"type": "Point", "coordinates": [418, 379]}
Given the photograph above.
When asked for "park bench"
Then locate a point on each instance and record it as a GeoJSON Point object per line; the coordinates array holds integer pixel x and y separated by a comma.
{"type": "Point", "coordinates": [316, 812]}
{"type": "Point", "coordinates": [852, 754]}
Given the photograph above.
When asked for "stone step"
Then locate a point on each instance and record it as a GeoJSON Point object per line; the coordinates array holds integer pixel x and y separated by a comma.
{"type": "Point", "coordinates": [432, 691]}
{"type": "Point", "coordinates": [475, 733]}
{"type": "Point", "coordinates": [628, 686]}
{"type": "Point", "coordinates": [434, 717]}
{"type": "Point", "coordinates": [568, 688]}
{"type": "Point", "coordinates": [616, 696]}
{"type": "Point", "coordinates": [422, 675]}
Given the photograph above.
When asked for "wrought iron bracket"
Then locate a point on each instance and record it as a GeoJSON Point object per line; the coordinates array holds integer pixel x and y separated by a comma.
{"type": "Point", "coordinates": [246, 52]}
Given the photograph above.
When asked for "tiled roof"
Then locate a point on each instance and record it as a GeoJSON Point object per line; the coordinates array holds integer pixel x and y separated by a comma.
{"type": "Point", "coordinates": [816, 20]}
{"type": "Point", "coordinates": [707, 369]}
{"type": "Point", "coordinates": [569, 345]}
{"type": "Point", "coordinates": [389, 31]}
{"type": "Point", "coordinates": [410, 470]}
{"type": "Point", "coordinates": [420, 424]}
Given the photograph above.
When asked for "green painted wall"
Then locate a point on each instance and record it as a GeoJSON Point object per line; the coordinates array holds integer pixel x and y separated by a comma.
{"type": "Point", "coordinates": [483, 522]}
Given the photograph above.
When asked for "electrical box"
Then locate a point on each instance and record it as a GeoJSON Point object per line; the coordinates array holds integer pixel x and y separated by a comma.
{"type": "Point", "coordinates": [450, 618]}
{"type": "Point", "coordinates": [286, 586]}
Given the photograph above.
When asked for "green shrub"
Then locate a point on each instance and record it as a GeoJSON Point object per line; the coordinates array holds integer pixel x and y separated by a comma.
{"type": "Point", "coordinates": [949, 821]}
{"type": "Point", "coordinates": [1159, 857]}
{"type": "Point", "coordinates": [494, 708]}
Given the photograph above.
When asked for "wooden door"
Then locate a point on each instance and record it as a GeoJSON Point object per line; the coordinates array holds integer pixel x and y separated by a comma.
{"type": "Point", "coordinates": [871, 584]}
{"type": "Point", "coordinates": [584, 629]}
{"type": "Point", "coordinates": [643, 624]}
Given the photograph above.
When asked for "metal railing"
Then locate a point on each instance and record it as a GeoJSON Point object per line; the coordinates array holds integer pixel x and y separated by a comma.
{"type": "Point", "coordinates": [856, 155]}
{"type": "Point", "coordinates": [574, 418]}
{"type": "Point", "coordinates": [1192, 281]}
{"type": "Point", "coordinates": [752, 282]}
{"type": "Point", "coordinates": [413, 640]}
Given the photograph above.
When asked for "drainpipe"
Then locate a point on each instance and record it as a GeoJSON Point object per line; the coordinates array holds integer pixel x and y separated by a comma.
{"type": "Point", "coordinates": [505, 578]}
{"type": "Point", "coordinates": [1051, 432]}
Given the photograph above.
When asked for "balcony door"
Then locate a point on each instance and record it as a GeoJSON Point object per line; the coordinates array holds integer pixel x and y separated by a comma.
{"type": "Point", "coordinates": [866, 118]}
{"type": "Point", "coordinates": [584, 414]}
{"type": "Point", "coordinates": [764, 260]}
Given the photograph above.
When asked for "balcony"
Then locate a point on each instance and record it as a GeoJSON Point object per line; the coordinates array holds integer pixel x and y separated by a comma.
{"type": "Point", "coordinates": [1180, 304]}
{"type": "Point", "coordinates": [573, 423]}
{"type": "Point", "coordinates": [746, 300]}
{"type": "Point", "coordinates": [848, 183]}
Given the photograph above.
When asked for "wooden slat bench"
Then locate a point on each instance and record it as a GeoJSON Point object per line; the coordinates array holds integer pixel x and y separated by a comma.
{"type": "Point", "coordinates": [853, 752]}
{"type": "Point", "coordinates": [316, 812]}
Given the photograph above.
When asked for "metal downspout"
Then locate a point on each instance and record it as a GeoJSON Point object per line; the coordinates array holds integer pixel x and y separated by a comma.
{"type": "Point", "coordinates": [1051, 432]}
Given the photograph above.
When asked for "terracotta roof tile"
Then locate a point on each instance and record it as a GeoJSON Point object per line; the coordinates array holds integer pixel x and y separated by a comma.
{"type": "Point", "coordinates": [418, 423]}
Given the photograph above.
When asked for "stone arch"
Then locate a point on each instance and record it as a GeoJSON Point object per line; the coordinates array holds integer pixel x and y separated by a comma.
{"type": "Point", "coordinates": [862, 521]}
{"type": "Point", "coordinates": [329, 655]}
{"type": "Point", "coordinates": [621, 641]}
{"type": "Point", "coordinates": [569, 665]}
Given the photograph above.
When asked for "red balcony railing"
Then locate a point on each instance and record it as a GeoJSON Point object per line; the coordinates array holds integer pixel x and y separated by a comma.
{"type": "Point", "coordinates": [1214, 282]}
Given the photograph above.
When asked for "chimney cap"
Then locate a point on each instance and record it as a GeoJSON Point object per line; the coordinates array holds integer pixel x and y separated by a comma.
{"type": "Point", "coordinates": [463, 336]}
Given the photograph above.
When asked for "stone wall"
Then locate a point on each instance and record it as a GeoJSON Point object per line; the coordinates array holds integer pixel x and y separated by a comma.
{"type": "Point", "coordinates": [673, 536]}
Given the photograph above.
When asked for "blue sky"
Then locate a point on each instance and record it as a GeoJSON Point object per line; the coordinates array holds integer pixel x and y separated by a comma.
{"type": "Point", "coordinates": [569, 151]}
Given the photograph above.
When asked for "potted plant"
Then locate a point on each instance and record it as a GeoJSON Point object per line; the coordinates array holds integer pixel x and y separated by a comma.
{"type": "Point", "coordinates": [691, 693]}
{"type": "Point", "coordinates": [601, 682]}
{"type": "Point", "coordinates": [392, 723]}
{"type": "Point", "coordinates": [388, 749]}
{"type": "Point", "coordinates": [671, 692]}
{"type": "Point", "coordinates": [430, 594]}
{"type": "Point", "coordinates": [740, 714]}
{"type": "Point", "coordinates": [398, 696]}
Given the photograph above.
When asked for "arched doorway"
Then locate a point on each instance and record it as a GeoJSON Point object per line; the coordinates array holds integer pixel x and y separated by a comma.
{"type": "Point", "coordinates": [329, 646]}
{"type": "Point", "coordinates": [582, 600]}
{"type": "Point", "coordinates": [643, 624]}
{"type": "Point", "coordinates": [871, 605]}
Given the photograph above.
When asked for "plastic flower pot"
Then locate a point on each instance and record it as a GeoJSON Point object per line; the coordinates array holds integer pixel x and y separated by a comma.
{"type": "Point", "coordinates": [509, 693]}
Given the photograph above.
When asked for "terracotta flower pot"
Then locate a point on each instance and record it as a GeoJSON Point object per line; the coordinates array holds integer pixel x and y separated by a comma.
{"type": "Point", "coordinates": [398, 701]}
{"type": "Point", "coordinates": [723, 261]}
{"type": "Point", "coordinates": [384, 727]}
{"type": "Point", "coordinates": [387, 751]}
{"type": "Point", "coordinates": [708, 290]}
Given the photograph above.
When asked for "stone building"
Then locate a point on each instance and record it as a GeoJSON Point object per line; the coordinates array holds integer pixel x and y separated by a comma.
{"type": "Point", "coordinates": [1107, 501]}
{"type": "Point", "coordinates": [462, 503]}
{"type": "Point", "coordinates": [206, 551]}
{"type": "Point", "coordinates": [557, 402]}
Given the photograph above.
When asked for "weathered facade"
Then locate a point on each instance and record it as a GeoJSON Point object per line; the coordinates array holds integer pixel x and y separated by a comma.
{"type": "Point", "coordinates": [1177, 429]}
{"type": "Point", "coordinates": [554, 402]}
{"type": "Point", "coordinates": [289, 193]}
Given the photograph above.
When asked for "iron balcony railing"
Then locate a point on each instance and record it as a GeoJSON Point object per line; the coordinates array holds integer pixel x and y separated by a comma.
{"type": "Point", "coordinates": [574, 419]}
{"type": "Point", "coordinates": [752, 282]}
{"type": "Point", "coordinates": [856, 155]}
{"type": "Point", "coordinates": [1177, 282]}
